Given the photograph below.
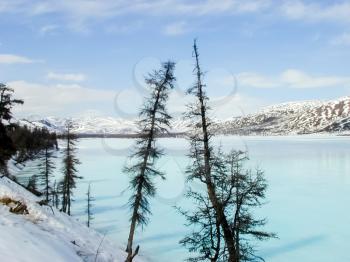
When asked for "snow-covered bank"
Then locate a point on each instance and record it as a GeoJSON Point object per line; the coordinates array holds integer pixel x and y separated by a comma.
{"type": "Point", "coordinates": [48, 235]}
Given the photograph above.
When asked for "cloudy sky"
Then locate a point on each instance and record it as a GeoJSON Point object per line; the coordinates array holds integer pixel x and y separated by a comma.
{"type": "Point", "coordinates": [81, 57]}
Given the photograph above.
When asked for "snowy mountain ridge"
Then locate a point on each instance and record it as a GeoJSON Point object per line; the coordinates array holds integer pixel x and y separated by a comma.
{"type": "Point", "coordinates": [302, 117]}
{"type": "Point", "coordinates": [96, 125]}
{"type": "Point", "coordinates": [293, 118]}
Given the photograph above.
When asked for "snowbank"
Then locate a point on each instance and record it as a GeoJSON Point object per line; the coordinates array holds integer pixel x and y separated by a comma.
{"type": "Point", "coordinates": [48, 235]}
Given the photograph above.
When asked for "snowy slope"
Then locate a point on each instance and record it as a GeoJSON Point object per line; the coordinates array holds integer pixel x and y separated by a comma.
{"type": "Point", "coordinates": [45, 236]}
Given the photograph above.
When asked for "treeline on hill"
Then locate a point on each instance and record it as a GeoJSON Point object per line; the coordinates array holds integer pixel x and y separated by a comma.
{"type": "Point", "coordinates": [24, 145]}
{"type": "Point", "coordinates": [222, 225]}
{"type": "Point", "coordinates": [20, 143]}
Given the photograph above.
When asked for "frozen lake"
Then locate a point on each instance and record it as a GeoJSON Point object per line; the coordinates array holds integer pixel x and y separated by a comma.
{"type": "Point", "coordinates": [307, 205]}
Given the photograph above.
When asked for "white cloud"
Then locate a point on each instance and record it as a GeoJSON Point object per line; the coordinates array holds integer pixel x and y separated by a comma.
{"type": "Point", "coordinates": [15, 59]}
{"type": "Point", "coordinates": [66, 77]}
{"type": "Point", "coordinates": [291, 78]}
{"type": "Point", "coordinates": [72, 100]}
{"type": "Point", "coordinates": [316, 11]}
{"type": "Point", "coordinates": [58, 99]}
{"type": "Point", "coordinates": [78, 15]}
{"type": "Point", "coordinates": [177, 28]}
{"type": "Point", "coordinates": [82, 10]}
{"type": "Point", "coordinates": [235, 105]}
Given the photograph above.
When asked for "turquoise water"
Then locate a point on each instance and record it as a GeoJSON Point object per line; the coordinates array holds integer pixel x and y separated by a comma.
{"type": "Point", "coordinates": [307, 202]}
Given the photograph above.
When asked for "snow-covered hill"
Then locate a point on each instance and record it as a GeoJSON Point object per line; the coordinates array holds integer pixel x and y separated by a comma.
{"type": "Point", "coordinates": [303, 117]}
{"type": "Point", "coordinates": [96, 125]}
{"type": "Point", "coordinates": [43, 234]}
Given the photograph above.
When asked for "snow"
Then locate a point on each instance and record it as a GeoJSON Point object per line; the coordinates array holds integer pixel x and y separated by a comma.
{"type": "Point", "coordinates": [292, 118]}
{"type": "Point", "coordinates": [95, 125]}
{"type": "Point", "coordinates": [46, 234]}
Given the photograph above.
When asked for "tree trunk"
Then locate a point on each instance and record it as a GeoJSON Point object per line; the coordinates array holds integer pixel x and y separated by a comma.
{"type": "Point", "coordinates": [133, 225]}
{"type": "Point", "coordinates": [219, 210]}
{"type": "Point", "coordinates": [47, 175]}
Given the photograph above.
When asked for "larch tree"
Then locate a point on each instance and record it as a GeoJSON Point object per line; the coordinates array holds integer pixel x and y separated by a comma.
{"type": "Point", "coordinates": [70, 162]}
{"type": "Point", "coordinates": [55, 200]}
{"type": "Point", "coordinates": [205, 240]}
{"type": "Point", "coordinates": [218, 229]}
{"type": "Point", "coordinates": [246, 190]}
{"type": "Point", "coordinates": [154, 120]}
{"type": "Point", "coordinates": [89, 205]}
{"type": "Point", "coordinates": [201, 138]}
{"type": "Point", "coordinates": [46, 168]}
{"type": "Point", "coordinates": [239, 190]}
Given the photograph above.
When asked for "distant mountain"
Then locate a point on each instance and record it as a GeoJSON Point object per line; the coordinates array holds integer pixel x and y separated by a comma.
{"type": "Point", "coordinates": [294, 118]}
{"type": "Point", "coordinates": [95, 125]}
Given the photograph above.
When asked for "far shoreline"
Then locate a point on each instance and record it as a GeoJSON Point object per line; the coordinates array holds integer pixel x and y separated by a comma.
{"type": "Point", "coordinates": [185, 135]}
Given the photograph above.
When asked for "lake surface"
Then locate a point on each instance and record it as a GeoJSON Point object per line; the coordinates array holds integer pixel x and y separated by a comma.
{"type": "Point", "coordinates": [307, 202]}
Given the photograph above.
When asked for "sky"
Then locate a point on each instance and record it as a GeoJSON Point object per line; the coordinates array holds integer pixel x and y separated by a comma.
{"type": "Point", "coordinates": [89, 57]}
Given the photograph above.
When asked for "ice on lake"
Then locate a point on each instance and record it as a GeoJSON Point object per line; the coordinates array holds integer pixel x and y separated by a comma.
{"type": "Point", "coordinates": [307, 203]}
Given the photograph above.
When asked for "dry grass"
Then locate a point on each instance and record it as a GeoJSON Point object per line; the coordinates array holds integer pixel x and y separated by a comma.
{"type": "Point", "coordinates": [16, 207]}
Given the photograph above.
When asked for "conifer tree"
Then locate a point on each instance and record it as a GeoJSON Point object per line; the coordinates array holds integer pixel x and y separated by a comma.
{"type": "Point", "coordinates": [89, 205]}
{"type": "Point", "coordinates": [218, 239]}
{"type": "Point", "coordinates": [32, 184]}
{"type": "Point", "coordinates": [239, 190]}
{"type": "Point", "coordinates": [68, 183]}
{"type": "Point", "coordinates": [55, 195]}
{"type": "Point", "coordinates": [154, 120]}
{"type": "Point", "coordinates": [201, 138]}
{"type": "Point", "coordinates": [46, 168]}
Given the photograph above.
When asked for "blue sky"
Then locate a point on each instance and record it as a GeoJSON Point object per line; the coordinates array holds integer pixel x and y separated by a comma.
{"type": "Point", "coordinates": [81, 57]}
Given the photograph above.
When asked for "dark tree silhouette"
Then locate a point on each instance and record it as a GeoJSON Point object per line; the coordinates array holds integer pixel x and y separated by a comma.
{"type": "Point", "coordinates": [89, 205]}
{"type": "Point", "coordinates": [46, 168]}
{"type": "Point", "coordinates": [200, 139]}
{"type": "Point", "coordinates": [243, 190]}
{"type": "Point", "coordinates": [6, 144]}
{"type": "Point", "coordinates": [55, 195]}
{"type": "Point", "coordinates": [70, 176]}
{"type": "Point", "coordinates": [33, 184]}
{"type": "Point", "coordinates": [239, 190]}
{"type": "Point", "coordinates": [218, 239]}
{"type": "Point", "coordinates": [154, 120]}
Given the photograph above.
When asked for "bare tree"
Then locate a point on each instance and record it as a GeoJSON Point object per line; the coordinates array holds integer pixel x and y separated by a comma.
{"type": "Point", "coordinates": [154, 120]}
